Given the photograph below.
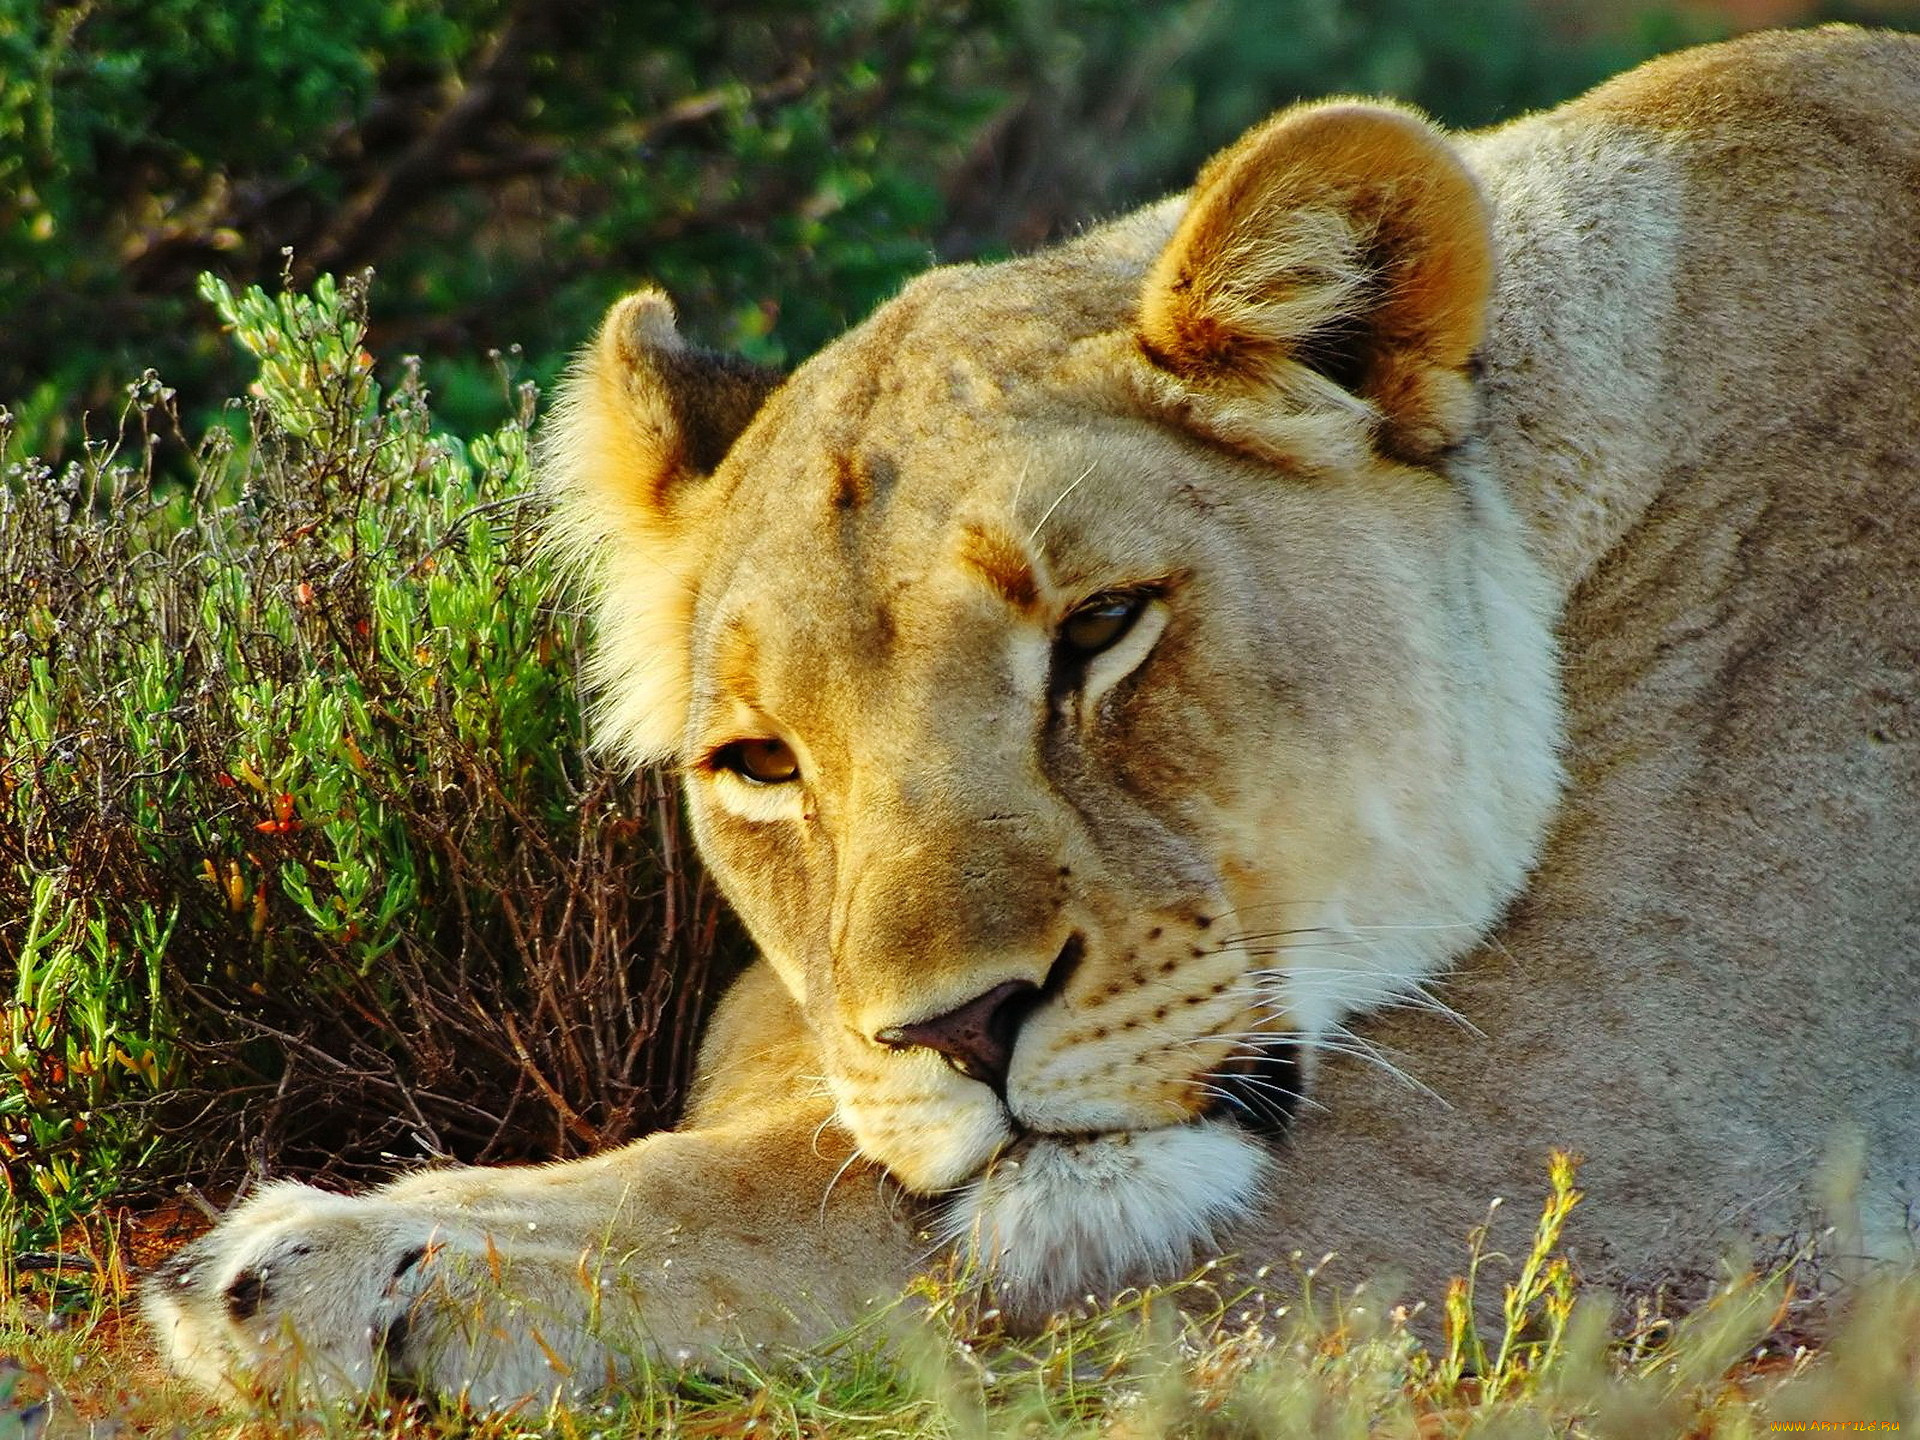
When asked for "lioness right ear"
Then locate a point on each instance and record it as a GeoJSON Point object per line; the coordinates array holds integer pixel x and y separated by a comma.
{"type": "Point", "coordinates": [641, 423]}
{"type": "Point", "coordinates": [1328, 282]}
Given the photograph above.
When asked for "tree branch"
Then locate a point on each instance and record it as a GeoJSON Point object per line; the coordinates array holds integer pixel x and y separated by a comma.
{"type": "Point", "coordinates": [355, 231]}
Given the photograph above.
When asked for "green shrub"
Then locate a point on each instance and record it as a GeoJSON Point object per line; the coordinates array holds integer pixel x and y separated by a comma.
{"type": "Point", "coordinates": [295, 827]}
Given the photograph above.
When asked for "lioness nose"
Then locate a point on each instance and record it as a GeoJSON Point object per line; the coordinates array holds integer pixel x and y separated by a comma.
{"type": "Point", "coordinates": [976, 1038]}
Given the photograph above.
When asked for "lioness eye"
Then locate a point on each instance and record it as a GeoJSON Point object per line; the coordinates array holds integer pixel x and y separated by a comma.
{"type": "Point", "coordinates": [1099, 624]}
{"type": "Point", "coordinates": [764, 762]}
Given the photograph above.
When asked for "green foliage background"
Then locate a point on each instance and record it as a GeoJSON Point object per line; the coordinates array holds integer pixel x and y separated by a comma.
{"type": "Point", "coordinates": [512, 165]}
{"type": "Point", "coordinates": [298, 849]}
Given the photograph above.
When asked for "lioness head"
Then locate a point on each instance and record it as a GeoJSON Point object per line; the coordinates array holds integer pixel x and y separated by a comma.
{"type": "Point", "coordinates": [1093, 675]}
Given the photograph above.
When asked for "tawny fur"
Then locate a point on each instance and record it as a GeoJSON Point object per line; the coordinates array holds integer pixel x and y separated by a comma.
{"type": "Point", "coordinates": [1524, 692]}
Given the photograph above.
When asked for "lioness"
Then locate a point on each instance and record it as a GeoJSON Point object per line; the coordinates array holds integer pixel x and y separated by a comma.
{"type": "Point", "coordinates": [1117, 686]}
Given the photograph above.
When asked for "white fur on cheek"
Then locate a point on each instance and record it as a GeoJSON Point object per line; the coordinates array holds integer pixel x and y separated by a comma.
{"type": "Point", "coordinates": [1065, 1217]}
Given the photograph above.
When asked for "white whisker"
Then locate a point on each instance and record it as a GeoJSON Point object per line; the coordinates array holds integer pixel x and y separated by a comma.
{"type": "Point", "coordinates": [1031, 534]}
{"type": "Point", "coordinates": [827, 1194]}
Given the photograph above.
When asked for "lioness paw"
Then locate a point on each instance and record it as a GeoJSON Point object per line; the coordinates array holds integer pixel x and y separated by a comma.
{"type": "Point", "coordinates": [327, 1297]}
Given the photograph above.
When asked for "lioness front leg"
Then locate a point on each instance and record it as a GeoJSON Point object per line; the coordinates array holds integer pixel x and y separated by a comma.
{"type": "Point", "coordinates": [509, 1287]}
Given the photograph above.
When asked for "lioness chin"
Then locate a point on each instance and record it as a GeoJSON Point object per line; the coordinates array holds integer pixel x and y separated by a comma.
{"type": "Point", "coordinates": [1236, 735]}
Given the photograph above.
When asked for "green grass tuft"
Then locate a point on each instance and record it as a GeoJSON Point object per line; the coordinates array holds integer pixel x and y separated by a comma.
{"type": "Point", "coordinates": [1194, 1360]}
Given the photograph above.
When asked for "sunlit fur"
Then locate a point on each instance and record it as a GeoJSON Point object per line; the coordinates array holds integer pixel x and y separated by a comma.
{"type": "Point", "coordinates": [1518, 740]}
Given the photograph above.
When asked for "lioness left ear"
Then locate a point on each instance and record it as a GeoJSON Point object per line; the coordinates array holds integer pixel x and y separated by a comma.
{"type": "Point", "coordinates": [1336, 261]}
{"type": "Point", "coordinates": [641, 424]}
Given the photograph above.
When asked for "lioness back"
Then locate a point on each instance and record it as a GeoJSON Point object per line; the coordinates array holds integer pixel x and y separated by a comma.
{"type": "Point", "coordinates": [1704, 360]}
{"type": "Point", "coordinates": [1238, 734]}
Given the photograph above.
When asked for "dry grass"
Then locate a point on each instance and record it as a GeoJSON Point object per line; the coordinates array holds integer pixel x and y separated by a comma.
{"type": "Point", "coordinates": [1190, 1360]}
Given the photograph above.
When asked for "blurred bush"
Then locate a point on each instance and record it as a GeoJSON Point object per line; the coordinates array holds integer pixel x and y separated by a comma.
{"type": "Point", "coordinates": [512, 165]}
{"type": "Point", "coordinates": [509, 165]}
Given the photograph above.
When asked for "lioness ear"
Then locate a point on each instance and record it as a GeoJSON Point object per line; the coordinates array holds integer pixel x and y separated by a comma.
{"type": "Point", "coordinates": [641, 422]}
{"type": "Point", "coordinates": [1337, 260]}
